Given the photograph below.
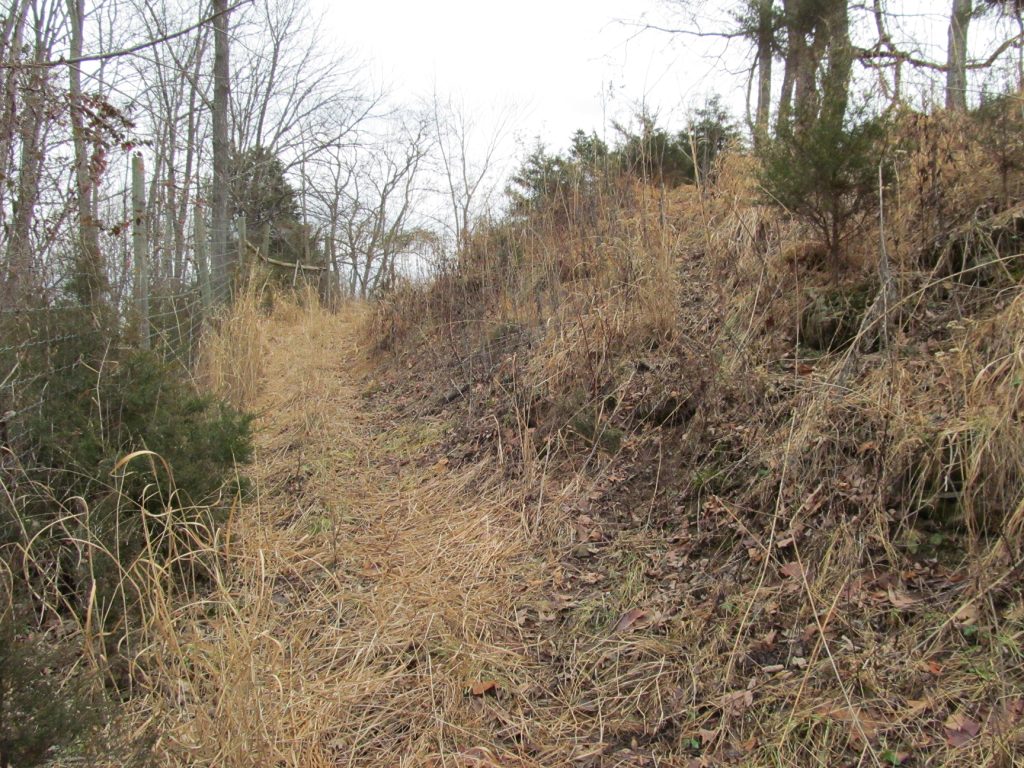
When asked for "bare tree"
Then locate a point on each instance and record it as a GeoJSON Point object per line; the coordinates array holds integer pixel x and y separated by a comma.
{"type": "Point", "coordinates": [465, 176]}
{"type": "Point", "coordinates": [885, 53]}
{"type": "Point", "coordinates": [375, 220]}
{"type": "Point", "coordinates": [289, 94]}
{"type": "Point", "coordinates": [758, 23]}
{"type": "Point", "coordinates": [11, 39]}
{"type": "Point", "coordinates": [39, 108]}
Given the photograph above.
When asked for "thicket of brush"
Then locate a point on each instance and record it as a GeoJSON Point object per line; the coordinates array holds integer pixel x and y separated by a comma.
{"type": "Point", "coordinates": [844, 404]}
{"type": "Point", "coordinates": [115, 474]}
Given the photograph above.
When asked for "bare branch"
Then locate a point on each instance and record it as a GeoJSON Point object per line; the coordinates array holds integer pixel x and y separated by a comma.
{"type": "Point", "coordinates": [64, 60]}
{"type": "Point", "coordinates": [896, 56]}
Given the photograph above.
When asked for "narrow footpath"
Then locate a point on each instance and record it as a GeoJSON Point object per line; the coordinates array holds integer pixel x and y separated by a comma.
{"type": "Point", "coordinates": [375, 602]}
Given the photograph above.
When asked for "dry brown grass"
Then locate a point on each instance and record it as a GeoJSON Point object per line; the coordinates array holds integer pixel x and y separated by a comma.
{"type": "Point", "coordinates": [359, 602]}
{"type": "Point", "coordinates": [231, 357]}
{"type": "Point", "coordinates": [770, 579]}
{"type": "Point", "coordinates": [818, 564]}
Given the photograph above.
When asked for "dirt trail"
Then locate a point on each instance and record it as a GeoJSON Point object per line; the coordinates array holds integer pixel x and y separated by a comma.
{"type": "Point", "coordinates": [372, 610]}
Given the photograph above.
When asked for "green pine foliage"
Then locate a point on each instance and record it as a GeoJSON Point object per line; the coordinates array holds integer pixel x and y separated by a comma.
{"type": "Point", "coordinates": [826, 174]}
{"type": "Point", "coordinates": [260, 191]}
{"type": "Point", "coordinates": [90, 398]}
{"type": "Point", "coordinates": [647, 152]}
{"type": "Point", "coordinates": [141, 403]}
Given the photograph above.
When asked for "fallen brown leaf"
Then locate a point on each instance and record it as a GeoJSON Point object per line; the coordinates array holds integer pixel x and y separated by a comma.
{"type": "Point", "coordinates": [1006, 715]}
{"type": "Point", "coordinates": [483, 687]}
{"type": "Point", "coordinates": [917, 707]}
{"type": "Point", "coordinates": [737, 701]}
{"type": "Point", "coordinates": [900, 599]}
{"type": "Point", "coordinates": [480, 757]}
{"type": "Point", "coordinates": [707, 736]}
{"type": "Point", "coordinates": [631, 619]}
{"type": "Point", "coordinates": [792, 570]}
{"type": "Point", "coordinates": [960, 729]}
{"type": "Point", "coordinates": [765, 643]}
{"type": "Point", "coordinates": [861, 723]}
{"type": "Point", "coordinates": [967, 616]}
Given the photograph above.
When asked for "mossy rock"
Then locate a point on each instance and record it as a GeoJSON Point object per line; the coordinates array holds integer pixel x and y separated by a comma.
{"type": "Point", "coordinates": [832, 318]}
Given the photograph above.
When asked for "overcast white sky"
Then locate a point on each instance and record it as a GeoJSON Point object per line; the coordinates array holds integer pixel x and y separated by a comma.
{"type": "Point", "coordinates": [564, 64]}
{"type": "Point", "coordinates": [569, 64]}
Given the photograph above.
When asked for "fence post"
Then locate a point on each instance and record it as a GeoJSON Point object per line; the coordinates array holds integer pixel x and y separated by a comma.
{"type": "Point", "coordinates": [202, 262]}
{"type": "Point", "coordinates": [140, 247]}
{"type": "Point", "coordinates": [242, 244]}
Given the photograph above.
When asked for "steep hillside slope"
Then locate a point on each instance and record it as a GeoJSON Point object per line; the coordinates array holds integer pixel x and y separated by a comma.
{"type": "Point", "coordinates": [800, 541]}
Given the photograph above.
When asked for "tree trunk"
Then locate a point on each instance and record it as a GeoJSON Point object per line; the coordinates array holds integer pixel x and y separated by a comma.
{"type": "Point", "coordinates": [20, 267]}
{"type": "Point", "coordinates": [835, 86]}
{"type": "Point", "coordinates": [807, 101]}
{"type": "Point", "coordinates": [796, 44]}
{"type": "Point", "coordinates": [956, 55]}
{"type": "Point", "coordinates": [765, 58]}
{"type": "Point", "coordinates": [90, 267]}
{"type": "Point", "coordinates": [10, 50]}
{"type": "Point", "coordinates": [817, 32]}
{"type": "Point", "coordinates": [220, 257]}
{"type": "Point", "coordinates": [191, 140]}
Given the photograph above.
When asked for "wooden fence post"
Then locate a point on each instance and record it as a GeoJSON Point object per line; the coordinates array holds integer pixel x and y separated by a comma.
{"type": "Point", "coordinates": [140, 247]}
{"type": "Point", "coordinates": [202, 262]}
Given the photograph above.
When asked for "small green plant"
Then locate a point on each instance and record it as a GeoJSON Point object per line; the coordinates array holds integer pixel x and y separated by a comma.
{"type": "Point", "coordinates": [892, 757]}
{"type": "Point", "coordinates": [827, 174]}
{"type": "Point", "coordinates": [42, 706]}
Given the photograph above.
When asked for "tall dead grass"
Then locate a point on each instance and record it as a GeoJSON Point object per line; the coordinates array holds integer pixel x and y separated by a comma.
{"type": "Point", "coordinates": [232, 353]}
{"type": "Point", "coordinates": [362, 615]}
{"type": "Point", "coordinates": [97, 610]}
{"type": "Point", "coordinates": [747, 576]}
